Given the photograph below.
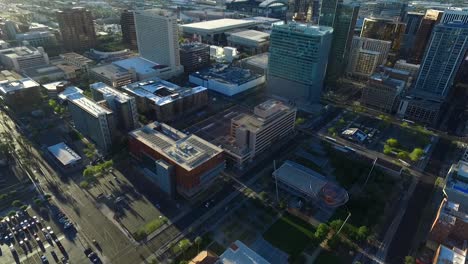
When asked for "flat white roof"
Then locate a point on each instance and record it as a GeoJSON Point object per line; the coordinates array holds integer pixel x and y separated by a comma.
{"type": "Point", "coordinates": [64, 153]}
{"type": "Point", "coordinates": [69, 91]}
{"type": "Point", "coordinates": [218, 25]}
{"type": "Point", "coordinates": [53, 85]}
{"type": "Point", "coordinates": [107, 90]}
{"type": "Point", "coordinates": [253, 35]}
{"type": "Point", "coordinates": [140, 65]}
{"type": "Point", "coordinates": [239, 253]}
{"type": "Point", "coordinates": [10, 86]}
{"type": "Point", "coordinates": [88, 105]}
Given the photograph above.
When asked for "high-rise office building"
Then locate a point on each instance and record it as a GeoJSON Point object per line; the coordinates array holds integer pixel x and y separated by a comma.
{"type": "Point", "coordinates": [385, 29]}
{"type": "Point", "coordinates": [343, 21]}
{"type": "Point", "coordinates": [442, 59]}
{"type": "Point", "coordinates": [366, 54]}
{"type": "Point", "coordinates": [413, 21]}
{"type": "Point", "coordinates": [455, 14]}
{"type": "Point", "coordinates": [298, 61]}
{"type": "Point", "coordinates": [430, 19]}
{"type": "Point", "coordinates": [92, 120]}
{"type": "Point", "coordinates": [194, 56]}
{"type": "Point", "coordinates": [328, 12]}
{"type": "Point", "coordinates": [158, 38]}
{"type": "Point", "coordinates": [127, 23]}
{"type": "Point", "coordinates": [77, 28]}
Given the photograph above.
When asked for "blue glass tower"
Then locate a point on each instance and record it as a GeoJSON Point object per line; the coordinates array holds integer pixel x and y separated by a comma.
{"type": "Point", "coordinates": [442, 59]}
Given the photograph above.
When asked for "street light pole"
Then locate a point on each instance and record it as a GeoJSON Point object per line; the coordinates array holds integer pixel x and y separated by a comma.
{"type": "Point", "coordinates": [276, 181]}
{"type": "Point", "coordinates": [368, 175]}
{"type": "Point", "coordinates": [346, 220]}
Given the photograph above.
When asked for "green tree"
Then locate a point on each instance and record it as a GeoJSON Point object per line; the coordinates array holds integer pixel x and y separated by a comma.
{"type": "Point", "coordinates": [52, 103]}
{"type": "Point", "coordinates": [336, 224]}
{"type": "Point", "coordinates": [321, 232]}
{"type": "Point", "coordinates": [332, 130]}
{"type": "Point", "coordinates": [198, 241]}
{"type": "Point", "coordinates": [409, 260]}
{"type": "Point", "coordinates": [84, 184]}
{"type": "Point", "coordinates": [404, 155]}
{"type": "Point", "coordinates": [392, 142]}
{"type": "Point", "coordinates": [362, 233]}
{"type": "Point", "coordinates": [16, 203]}
{"type": "Point", "coordinates": [183, 245]}
{"type": "Point", "coordinates": [416, 154]}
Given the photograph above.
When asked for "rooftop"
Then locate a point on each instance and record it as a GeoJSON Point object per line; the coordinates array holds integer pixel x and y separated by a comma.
{"type": "Point", "coordinates": [217, 25]}
{"type": "Point", "coordinates": [76, 57]}
{"type": "Point", "coordinates": [263, 113]}
{"type": "Point", "coordinates": [305, 29]}
{"type": "Point", "coordinates": [22, 51]}
{"type": "Point", "coordinates": [303, 179]}
{"type": "Point", "coordinates": [88, 105]}
{"type": "Point", "coordinates": [159, 91]}
{"type": "Point", "coordinates": [9, 76]}
{"type": "Point", "coordinates": [188, 151]}
{"type": "Point", "coordinates": [251, 35]}
{"type": "Point", "coordinates": [64, 153]}
{"type": "Point", "coordinates": [11, 86]}
{"type": "Point", "coordinates": [111, 71]}
{"type": "Point", "coordinates": [192, 46]}
{"type": "Point", "coordinates": [53, 85]}
{"type": "Point", "coordinates": [238, 253]}
{"type": "Point", "coordinates": [139, 64]}
{"type": "Point", "coordinates": [260, 60]}
{"type": "Point", "coordinates": [106, 90]}
{"type": "Point", "coordinates": [386, 80]}
{"type": "Point", "coordinates": [450, 256]}
{"type": "Point", "coordinates": [42, 70]}
{"type": "Point", "coordinates": [34, 35]}
{"type": "Point", "coordinates": [70, 90]}
{"type": "Point", "coordinates": [227, 74]}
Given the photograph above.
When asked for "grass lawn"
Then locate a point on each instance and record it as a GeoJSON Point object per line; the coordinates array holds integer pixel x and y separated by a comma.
{"type": "Point", "coordinates": [290, 234]}
{"type": "Point", "coordinates": [327, 257]}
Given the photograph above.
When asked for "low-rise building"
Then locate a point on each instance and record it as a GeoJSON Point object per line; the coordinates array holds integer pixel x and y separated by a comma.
{"type": "Point", "coordinates": [46, 73]}
{"type": "Point", "coordinates": [309, 184]}
{"type": "Point", "coordinates": [228, 80]}
{"type": "Point", "coordinates": [144, 69]}
{"type": "Point", "coordinates": [21, 95]}
{"type": "Point", "coordinates": [249, 41]}
{"type": "Point", "coordinates": [450, 226]}
{"type": "Point", "coordinates": [165, 101]}
{"type": "Point", "coordinates": [456, 185]}
{"type": "Point", "coordinates": [383, 92]}
{"type": "Point", "coordinates": [113, 75]}
{"type": "Point", "coordinates": [20, 58]}
{"type": "Point", "coordinates": [69, 91]}
{"type": "Point", "coordinates": [93, 120]}
{"type": "Point", "coordinates": [38, 38]}
{"type": "Point", "coordinates": [354, 134]}
{"type": "Point", "coordinates": [257, 63]}
{"type": "Point", "coordinates": [251, 135]}
{"type": "Point", "coordinates": [445, 255]}
{"type": "Point", "coordinates": [238, 252]}
{"type": "Point", "coordinates": [65, 158]}
{"type": "Point", "coordinates": [77, 60]}
{"type": "Point", "coordinates": [174, 160]}
{"type": "Point", "coordinates": [194, 56]}
{"type": "Point", "coordinates": [123, 105]}
{"type": "Point", "coordinates": [54, 88]}
{"type": "Point", "coordinates": [413, 69]}
{"type": "Point", "coordinates": [424, 110]}
{"type": "Point", "coordinates": [9, 76]}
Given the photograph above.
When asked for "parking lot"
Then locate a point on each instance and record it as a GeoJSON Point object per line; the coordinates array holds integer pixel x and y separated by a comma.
{"type": "Point", "coordinates": [40, 236]}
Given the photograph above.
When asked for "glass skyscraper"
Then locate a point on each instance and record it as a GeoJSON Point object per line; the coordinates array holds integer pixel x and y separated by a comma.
{"type": "Point", "coordinates": [298, 61]}
{"type": "Point", "coordinates": [447, 47]}
{"type": "Point", "coordinates": [343, 20]}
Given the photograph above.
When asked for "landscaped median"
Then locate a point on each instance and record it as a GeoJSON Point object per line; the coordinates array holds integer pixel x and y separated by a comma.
{"type": "Point", "coordinates": [149, 228]}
